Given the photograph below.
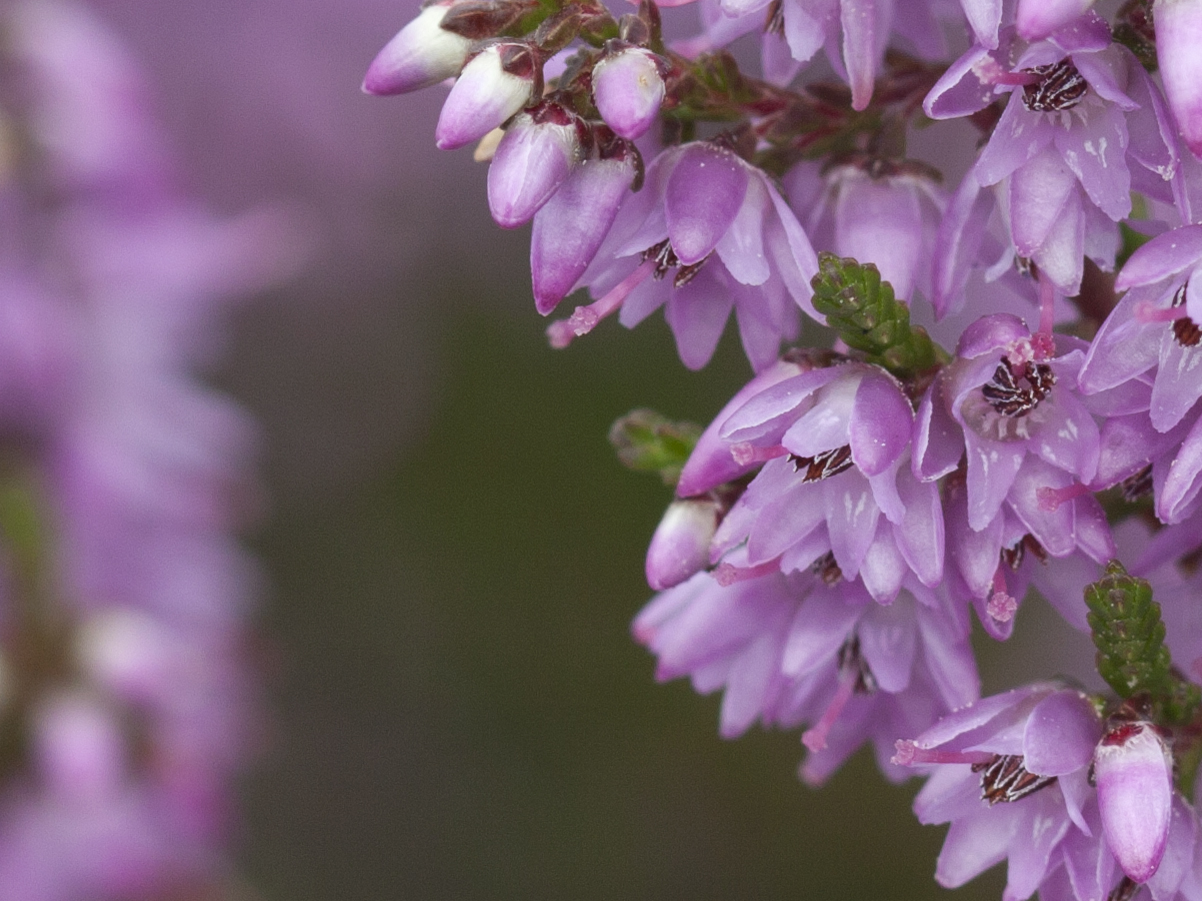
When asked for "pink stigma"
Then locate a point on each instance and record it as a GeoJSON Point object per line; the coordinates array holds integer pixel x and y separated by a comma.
{"type": "Point", "coordinates": [1148, 312]}
{"type": "Point", "coordinates": [815, 737]}
{"type": "Point", "coordinates": [1001, 606]}
{"type": "Point", "coordinates": [1043, 342]}
{"type": "Point", "coordinates": [584, 319]}
{"type": "Point", "coordinates": [909, 753]}
{"type": "Point", "coordinates": [1050, 498]}
{"type": "Point", "coordinates": [728, 574]}
{"type": "Point", "coordinates": [745, 453]}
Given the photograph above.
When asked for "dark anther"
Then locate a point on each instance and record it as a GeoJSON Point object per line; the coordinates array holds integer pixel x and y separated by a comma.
{"type": "Point", "coordinates": [665, 260]}
{"type": "Point", "coordinates": [774, 21]}
{"type": "Point", "coordinates": [1014, 556]}
{"type": "Point", "coordinates": [827, 569]}
{"type": "Point", "coordinates": [1004, 778]}
{"type": "Point", "coordinates": [1185, 330]}
{"type": "Point", "coordinates": [824, 465]}
{"type": "Point", "coordinates": [851, 660]}
{"type": "Point", "coordinates": [1124, 891]}
{"type": "Point", "coordinates": [1138, 485]}
{"type": "Point", "coordinates": [1060, 87]}
{"type": "Point", "coordinates": [1008, 396]}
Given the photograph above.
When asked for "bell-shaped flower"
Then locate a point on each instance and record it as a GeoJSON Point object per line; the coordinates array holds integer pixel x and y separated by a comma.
{"type": "Point", "coordinates": [1178, 37]}
{"type": "Point", "coordinates": [887, 214]}
{"type": "Point", "coordinates": [570, 226]}
{"type": "Point", "coordinates": [1010, 773]}
{"type": "Point", "coordinates": [794, 650]}
{"type": "Point", "coordinates": [708, 233]}
{"type": "Point", "coordinates": [421, 54]}
{"type": "Point", "coordinates": [496, 83]}
{"type": "Point", "coordinates": [628, 88]}
{"type": "Point", "coordinates": [834, 445]}
{"type": "Point", "coordinates": [1080, 107]}
{"type": "Point", "coordinates": [1134, 773]}
{"type": "Point", "coordinates": [534, 158]}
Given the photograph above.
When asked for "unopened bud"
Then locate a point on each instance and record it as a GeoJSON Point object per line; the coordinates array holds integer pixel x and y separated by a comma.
{"type": "Point", "coordinates": [681, 544]}
{"type": "Point", "coordinates": [1178, 39]}
{"type": "Point", "coordinates": [421, 54]}
{"type": "Point", "coordinates": [495, 84]}
{"type": "Point", "coordinates": [1134, 774]}
{"type": "Point", "coordinates": [531, 162]}
{"type": "Point", "coordinates": [570, 227]}
{"type": "Point", "coordinates": [628, 89]}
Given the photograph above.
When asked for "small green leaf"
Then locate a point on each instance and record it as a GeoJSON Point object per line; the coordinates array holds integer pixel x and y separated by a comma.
{"type": "Point", "coordinates": [1132, 657]}
{"type": "Point", "coordinates": [648, 442]}
{"type": "Point", "coordinates": [861, 308]}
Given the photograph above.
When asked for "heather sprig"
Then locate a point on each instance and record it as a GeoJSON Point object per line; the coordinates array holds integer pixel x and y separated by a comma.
{"type": "Point", "coordinates": [862, 310]}
{"type": "Point", "coordinates": [1127, 629]}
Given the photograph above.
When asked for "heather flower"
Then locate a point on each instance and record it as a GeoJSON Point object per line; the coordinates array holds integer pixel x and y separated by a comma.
{"type": "Point", "coordinates": [1178, 33]}
{"type": "Point", "coordinates": [421, 54]}
{"type": "Point", "coordinates": [534, 158]}
{"type": "Point", "coordinates": [833, 442]}
{"type": "Point", "coordinates": [881, 214]}
{"type": "Point", "coordinates": [628, 88]}
{"type": "Point", "coordinates": [681, 543]}
{"type": "Point", "coordinates": [1010, 774]}
{"type": "Point", "coordinates": [1034, 20]}
{"type": "Point", "coordinates": [708, 232]}
{"type": "Point", "coordinates": [1063, 140]}
{"type": "Point", "coordinates": [1134, 774]}
{"type": "Point", "coordinates": [792, 650]}
{"type": "Point", "coordinates": [570, 226]}
{"type": "Point", "coordinates": [496, 83]}
{"type": "Point", "coordinates": [1151, 337]}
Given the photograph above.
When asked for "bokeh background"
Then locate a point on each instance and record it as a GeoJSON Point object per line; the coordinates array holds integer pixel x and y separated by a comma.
{"type": "Point", "coordinates": [453, 554]}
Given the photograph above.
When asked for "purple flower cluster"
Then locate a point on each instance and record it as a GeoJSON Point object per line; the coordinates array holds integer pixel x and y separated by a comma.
{"type": "Point", "coordinates": [843, 518]}
{"type": "Point", "coordinates": [127, 704]}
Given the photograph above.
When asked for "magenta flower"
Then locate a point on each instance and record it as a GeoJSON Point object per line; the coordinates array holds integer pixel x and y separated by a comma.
{"type": "Point", "coordinates": [707, 233]}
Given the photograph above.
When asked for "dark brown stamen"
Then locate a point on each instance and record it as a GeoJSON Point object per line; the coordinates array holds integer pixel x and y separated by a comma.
{"type": "Point", "coordinates": [1060, 87]}
{"type": "Point", "coordinates": [1185, 330]}
{"type": "Point", "coordinates": [665, 261]}
{"type": "Point", "coordinates": [1008, 396]}
{"type": "Point", "coordinates": [851, 660]}
{"type": "Point", "coordinates": [1124, 891]}
{"type": "Point", "coordinates": [774, 21]}
{"type": "Point", "coordinates": [1138, 485]}
{"type": "Point", "coordinates": [1005, 779]}
{"type": "Point", "coordinates": [827, 569]}
{"type": "Point", "coordinates": [824, 465]}
{"type": "Point", "coordinates": [1014, 556]}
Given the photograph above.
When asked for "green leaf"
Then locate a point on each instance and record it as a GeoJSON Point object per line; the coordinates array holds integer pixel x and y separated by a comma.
{"type": "Point", "coordinates": [1132, 657]}
{"type": "Point", "coordinates": [649, 442]}
{"type": "Point", "coordinates": [861, 308]}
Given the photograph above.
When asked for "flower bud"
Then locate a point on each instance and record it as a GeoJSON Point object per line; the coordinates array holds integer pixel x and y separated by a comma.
{"type": "Point", "coordinates": [1036, 19]}
{"type": "Point", "coordinates": [628, 90]}
{"type": "Point", "coordinates": [495, 84]}
{"type": "Point", "coordinates": [1178, 37]}
{"type": "Point", "coordinates": [421, 54]}
{"type": "Point", "coordinates": [680, 546]}
{"type": "Point", "coordinates": [1134, 773]}
{"type": "Point", "coordinates": [77, 745]}
{"type": "Point", "coordinates": [531, 162]}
